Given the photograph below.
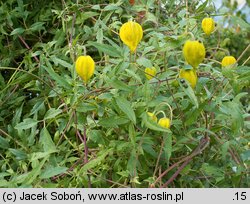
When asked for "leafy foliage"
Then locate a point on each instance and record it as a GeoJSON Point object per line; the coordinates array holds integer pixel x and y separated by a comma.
{"type": "Point", "coordinates": [55, 131]}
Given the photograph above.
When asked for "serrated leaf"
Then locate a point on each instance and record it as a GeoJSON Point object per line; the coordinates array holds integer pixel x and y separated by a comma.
{"type": "Point", "coordinates": [126, 108]}
{"type": "Point", "coordinates": [26, 124]}
{"type": "Point", "coordinates": [52, 113]}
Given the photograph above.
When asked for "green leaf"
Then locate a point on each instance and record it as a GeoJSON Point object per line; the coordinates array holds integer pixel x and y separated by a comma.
{"type": "Point", "coordinates": [52, 171]}
{"type": "Point", "coordinates": [52, 113]}
{"type": "Point", "coordinates": [168, 146]}
{"type": "Point", "coordinates": [126, 108]}
{"type": "Point", "coordinates": [132, 134]}
{"type": "Point", "coordinates": [107, 49]}
{"type": "Point", "coordinates": [117, 84]}
{"type": "Point", "coordinates": [46, 141]}
{"type": "Point", "coordinates": [37, 26]}
{"type": "Point", "coordinates": [113, 121]}
{"type": "Point", "coordinates": [93, 163]}
{"type": "Point", "coordinates": [144, 62]}
{"type": "Point", "coordinates": [35, 172]}
{"type": "Point", "coordinates": [4, 144]}
{"type": "Point", "coordinates": [96, 136]}
{"type": "Point", "coordinates": [61, 62]}
{"type": "Point", "coordinates": [20, 155]}
{"type": "Point", "coordinates": [85, 107]}
{"type": "Point", "coordinates": [60, 80]}
{"type": "Point", "coordinates": [17, 31]}
{"type": "Point", "coordinates": [26, 124]}
{"type": "Point", "coordinates": [190, 93]}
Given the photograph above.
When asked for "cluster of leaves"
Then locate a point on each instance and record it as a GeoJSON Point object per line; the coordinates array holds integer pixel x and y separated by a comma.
{"type": "Point", "coordinates": [57, 132]}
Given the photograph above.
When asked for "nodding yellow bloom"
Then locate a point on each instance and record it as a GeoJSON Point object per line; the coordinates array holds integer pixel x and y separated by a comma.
{"type": "Point", "coordinates": [152, 116]}
{"type": "Point", "coordinates": [207, 25]}
{"type": "Point", "coordinates": [85, 67]}
{"type": "Point", "coordinates": [228, 60]}
{"type": "Point", "coordinates": [150, 72]}
{"type": "Point", "coordinates": [194, 52]}
{"type": "Point", "coordinates": [164, 122]}
{"type": "Point", "coordinates": [131, 34]}
{"type": "Point", "coordinates": [190, 76]}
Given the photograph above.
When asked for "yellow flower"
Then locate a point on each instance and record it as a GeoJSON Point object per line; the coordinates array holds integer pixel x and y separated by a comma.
{"type": "Point", "coordinates": [190, 76]}
{"type": "Point", "coordinates": [131, 34]}
{"type": "Point", "coordinates": [152, 116]}
{"type": "Point", "coordinates": [194, 52]}
{"type": "Point", "coordinates": [228, 60]}
{"type": "Point", "coordinates": [150, 72]}
{"type": "Point", "coordinates": [85, 67]}
{"type": "Point", "coordinates": [208, 25]}
{"type": "Point", "coordinates": [164, 122]}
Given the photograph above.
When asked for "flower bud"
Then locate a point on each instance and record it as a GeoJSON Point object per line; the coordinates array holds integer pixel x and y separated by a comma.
{"type": "Point", "coordinates": [194, 52]}
{"type": "Point", "coordinates": [131, 34]}
{"type": "Point", "coordinates": [150, 72]}
{"type": "Point", "coordinates": [208, 25]}
{"type": "Point", "coordinates": [228, 60]}
{"type": "Point", "coordinates": [85, 67]}
{"type": "Point", "coordinates": [152, 116]}
{"type": "Point", "coordinates": [190, 76]}
{"type": "Point", "coordinates": [164, 122]}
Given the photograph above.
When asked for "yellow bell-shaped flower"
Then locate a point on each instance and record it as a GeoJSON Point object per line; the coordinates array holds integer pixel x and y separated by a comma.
{"type": "Point", "coordinates": [207, 25]}
{"type": "Point", "coordinates": [131, 34]}
{"type": "Point", "coordinates": [150, 72]}
{"type": "Point", "coordinates": [194, 52]}
{"type": "Point", "coordinates": [228, 60]}
{"type": "Point", "coordinates": [164, 122]}
{"type": "Point", "coordinates": [190, 76]}
{"type": "Point", "coordinates": [152, 116]}
{"type": "Point", "coordinates": [85, 67]}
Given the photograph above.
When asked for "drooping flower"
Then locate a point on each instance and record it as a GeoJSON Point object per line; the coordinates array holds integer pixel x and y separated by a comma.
{"type": "Point", "coordinates": [164, 122]}
{"type": "Point", "coordinates": [208, 25]}
{"type": "Point", "coordinates": [131, 34]}
{"type": "Point", "coordinates": [228, 60]}
{"type": "Point", "coordinates": [194, 52]}
{"type": "Point", "coordinates": [85, 67]}
{"type": "Point", "coordinates": [150, 72]}
{"type": "Point", "coordinates": [190, 76]}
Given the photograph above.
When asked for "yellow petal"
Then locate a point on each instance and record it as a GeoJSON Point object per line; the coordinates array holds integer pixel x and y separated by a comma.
{"type": "Point", "coordinates": [150, 72]}
{"type": "Point", "coordinates": [228, 60]}
{"type": "Point", "coordinates": [85, 67]}
{"type": "Point", "coordinates": [190, 76]}
{"type": "Point", "coordinates": [164, 122]}
{"type": "Point", "coordinates": [131, 34]}
{"type": "Point", "coordinates": [208, 25]}
{"type": "Point", "coordinates": [194, 52]}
